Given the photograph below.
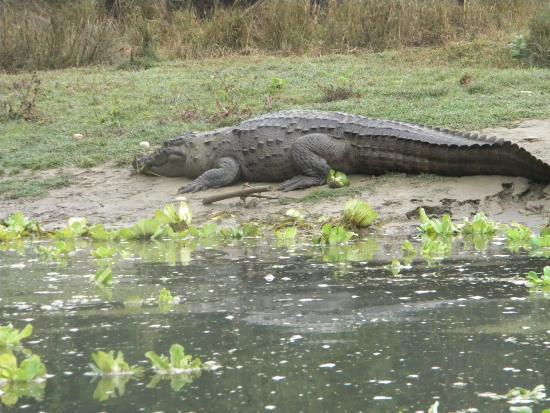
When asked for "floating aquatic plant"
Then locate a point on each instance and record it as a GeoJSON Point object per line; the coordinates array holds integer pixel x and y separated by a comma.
{"type": "Point", "coordinates": [29, 370]}
{"type": "Point", "coordinates": [436, 227]}
{"type": "Point", "coordinates": [232, 233]}
{"type": "Point", "coordinates": [395, 267]}
{"type": "Point", "coordinates": [178, 218]}
{"type": "Point", "coordinates": [103, 252]}
{"type": "Point", "coordinates": [76, 227]}
{"type": "Point", "coordinates": [99, 233]}
{"type": "Point", "coordinates": [146, 229]}
{"type": "Point", "coordinates": [333, 234]}
{"type": "Point", "coordinates": [20, 224]}
{"type": "Point", "coordinates": [10, 337]}
{"type": "Point", "coordinates": [359, 214]}
{"type": "Point", "coordinates": [57, 250]}
{"type": "Point", "coordinates": [408, 249]}
{"type": "Point", "coordinates": [519, 395]}
{"type": "Point", "coordinates": [337, 179]}
{"type": "Point", "coordinates": [286, 234]}
{"type": "Point", "coordinates": [107, 364]}
{"type": "Point", "coordinates": [165, 297]}
{"type": "Point", "coordinates": [518, 237]}
{"type": "Point", "coordinates": [251, 229]}
{"type": "Point", "coordinates": [178, 363]}
{"type": "Point", "coordinates": [208, 230]}
{"type": "Point", "coordinates": [541, 246]}
{"type": "Point", "coordinates": [103, 277]}
{"type": "Point", "coordinates": [480, 224]}
{"type": "Point", "coordinates": [180, 368]}
{"type": "Point", "coordinates": [539, 282]}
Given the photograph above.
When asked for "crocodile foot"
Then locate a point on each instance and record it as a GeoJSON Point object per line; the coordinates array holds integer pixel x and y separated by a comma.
{"type": "Point", "coordinates": [192, 187]}
{"type": "Point", "coordinates": [301, 182]}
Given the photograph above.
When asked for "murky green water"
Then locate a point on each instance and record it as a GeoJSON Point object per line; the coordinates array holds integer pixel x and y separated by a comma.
{"type": "Point", "coordinates": [293, 332]}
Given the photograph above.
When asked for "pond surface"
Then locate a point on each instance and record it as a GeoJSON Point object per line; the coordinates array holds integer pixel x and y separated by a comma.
{"type": "Point", "coordinates": [293, 332]}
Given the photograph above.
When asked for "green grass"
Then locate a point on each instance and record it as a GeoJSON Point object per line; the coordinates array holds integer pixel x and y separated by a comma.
{"type": "Point", "coordinates": [115, 109]}
{"type": "Point", "coordinates": [32, 188]}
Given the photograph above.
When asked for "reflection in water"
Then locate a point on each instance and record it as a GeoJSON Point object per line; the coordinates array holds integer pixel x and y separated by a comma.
{"type": "Point", "coordinates": [297, 329]}
{"type": "Point", "coordinates": [111, 387]}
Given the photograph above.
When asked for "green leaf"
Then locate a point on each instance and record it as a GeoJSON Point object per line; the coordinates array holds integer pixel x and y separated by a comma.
{"type": "Point", "coordinates": [177, 356]}
{"type": "Point", "coordinates": [160, 363]}
{"type": "Point", "coordinates": [99, 233]}
{"type": "Point", "coordinates": [104, 277]}
{"type": "Point", "coordinates": [165, 297]}
{"type": "Point", "coordinates": [30, 369]}
{"type": "Point", "coordinates": [104, 252]}
{"type": "Point", "coordinates": [251, 229]}
{"type": "Point", "coordinates": [11, 337]}
{"type": "Point", "coordinates": [408, 249]}
{"type": "Point", "coordinates": [209, 230]}
{"type": "Point", "coordinates": [395, 267]}
{"type": "Point", "coordinates": [480, 225]}
{"type": "Point", "coordinates": [107, 364]}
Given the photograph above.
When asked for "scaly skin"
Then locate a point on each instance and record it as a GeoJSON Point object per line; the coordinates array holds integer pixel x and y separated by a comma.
{"type": "Point", "coordinates": [299, 148]}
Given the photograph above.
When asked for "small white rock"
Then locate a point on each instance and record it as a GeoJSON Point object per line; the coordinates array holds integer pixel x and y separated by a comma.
{"type": "Point", "coordinates": [144, 145]}
{"type": "Point", "coordinates": [78, 136]}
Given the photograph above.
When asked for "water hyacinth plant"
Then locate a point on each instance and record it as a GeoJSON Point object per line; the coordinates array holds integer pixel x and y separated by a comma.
{"type": "Point", "coordinates": [395, 267]}
{"type": "Point", "coordinates": [333, 234]}
{"type": "Point", "coordinates": [107, 364]}
{"type": "Point", "coordinates": [19, 225]}
{"type": "Point", "coordinates": [177, 218]}
{"type": "Point", "coordinates": [539, 282]}
{"type": "Point", "coordinates": [178, 363]}
{"type": "Point", "coordinates": [103, 252]}
{"type": "Point", "coordinates": [359, 214]}
{"type": "Point", "coordinates": [57, 250]}
{"type": "Point", "coordinates": [103, 277]}
{"type": "Point", "coordinates": [29, 370]}
{"type": "Point", "coordinates": [436, 227]}
{"type": "Point", "coordinates": [10, 337]}
{"type": "Point", "coordinates": [480, 224]}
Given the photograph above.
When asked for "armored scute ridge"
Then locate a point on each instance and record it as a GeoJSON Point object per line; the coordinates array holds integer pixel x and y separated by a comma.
{"type": "Point", "coordinates": [298, 148]}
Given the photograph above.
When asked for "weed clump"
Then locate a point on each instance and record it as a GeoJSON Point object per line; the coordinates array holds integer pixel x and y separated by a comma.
{"type": "Point", "coordinates": [19, 101]}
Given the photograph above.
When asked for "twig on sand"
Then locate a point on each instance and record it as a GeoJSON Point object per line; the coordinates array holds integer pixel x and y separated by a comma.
{"type": "Point", "coordinates": [240, 193]}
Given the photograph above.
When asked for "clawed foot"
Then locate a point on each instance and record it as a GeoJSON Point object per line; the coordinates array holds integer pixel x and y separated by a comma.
{"type": "Point", "coordinates": [192, 187]}
{"type": "Point", "coordinates": [300, 182]}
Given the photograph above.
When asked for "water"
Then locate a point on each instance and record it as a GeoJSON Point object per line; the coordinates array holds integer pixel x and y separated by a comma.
{"type": "Point", "coordinates": [293, 332]}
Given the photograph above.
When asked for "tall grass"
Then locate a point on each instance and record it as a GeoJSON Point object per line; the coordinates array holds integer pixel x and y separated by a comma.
{"type": "Point", "coordinates": [36, 35]}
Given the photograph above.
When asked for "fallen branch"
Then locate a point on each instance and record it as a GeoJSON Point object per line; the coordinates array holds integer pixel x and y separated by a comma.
{"type": "Point", "coordinates": [241, 193]}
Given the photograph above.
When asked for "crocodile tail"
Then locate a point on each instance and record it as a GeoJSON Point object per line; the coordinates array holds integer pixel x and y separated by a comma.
{"type": "Point", "coordinates": [500, 157]}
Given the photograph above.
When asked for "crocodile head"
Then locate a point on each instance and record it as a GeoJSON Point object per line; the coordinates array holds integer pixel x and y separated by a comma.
{"type": "Point", "coordinates": [169, 160]}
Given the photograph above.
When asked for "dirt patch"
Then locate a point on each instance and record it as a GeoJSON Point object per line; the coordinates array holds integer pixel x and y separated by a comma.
{"type": "Point", "coordinates": [116, 197]}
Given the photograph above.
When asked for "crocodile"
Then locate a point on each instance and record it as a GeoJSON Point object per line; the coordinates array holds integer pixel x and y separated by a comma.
{"type": "Point", "coordinates": [300, 147]}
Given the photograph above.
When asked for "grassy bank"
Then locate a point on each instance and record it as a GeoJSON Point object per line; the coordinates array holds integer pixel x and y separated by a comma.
{"type": "Point", "coordinates": [85, 117]}
{"type": "Point", "coordinates": [42, 34]}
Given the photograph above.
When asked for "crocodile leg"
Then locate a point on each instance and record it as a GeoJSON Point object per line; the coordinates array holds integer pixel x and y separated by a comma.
{"type": "Point", "coordinates": [226, 173]}
{"type": "Point", "coordinates": [311, 155]}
